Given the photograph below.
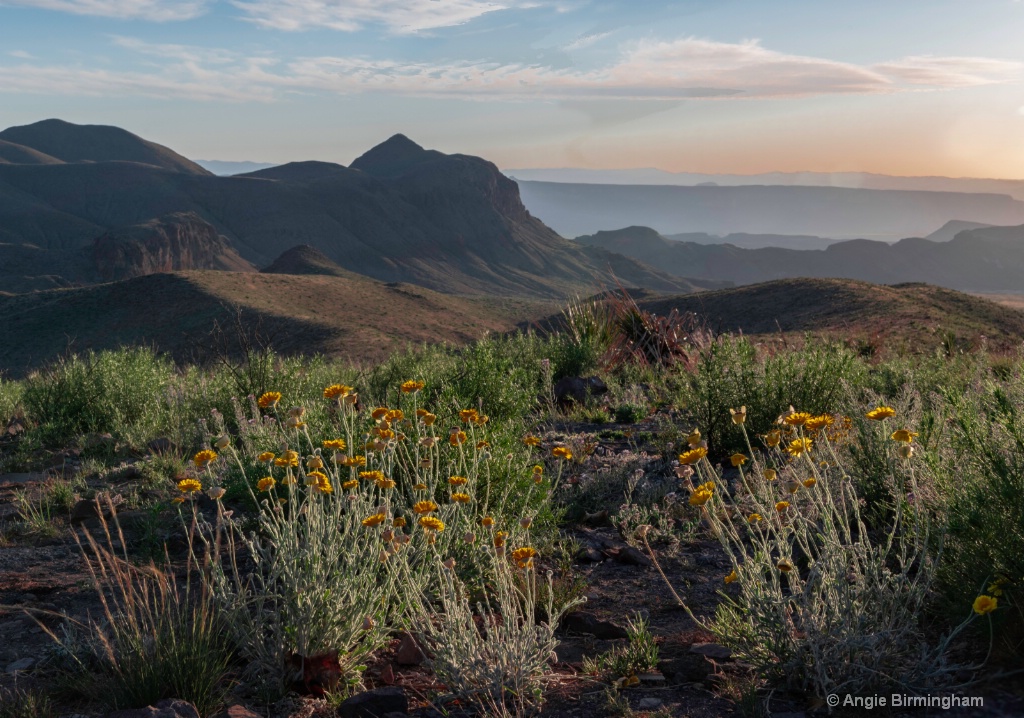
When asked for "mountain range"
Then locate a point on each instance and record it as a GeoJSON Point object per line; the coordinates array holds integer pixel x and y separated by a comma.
{"type": "Point", "coordinates": [832, 212]}
{"type": "Point", "coordinates": [985, 259]}
{"type": "Point", "coordinates": [74, 198]}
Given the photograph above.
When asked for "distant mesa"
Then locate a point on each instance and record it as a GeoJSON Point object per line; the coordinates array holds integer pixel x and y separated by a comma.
{"type": "Point", "coordinates": [175, 242]}
{"type": "Point", "coordinates": [304, 259]}
{"type": "Point", "coordinates": [952, 228]}
{"type": "Point", "coordinates": [67, 142]}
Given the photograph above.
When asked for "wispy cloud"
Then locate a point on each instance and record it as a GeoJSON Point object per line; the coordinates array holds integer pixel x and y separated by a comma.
{"type": "Point", "coordinates": [586, 41]}
{"type": "Point", "coordinates": [683, 68]}
{"type": "Point", "coordinates": [21, 54]}
{"type": "Point", "coordinates": [154, 10]}
{"type": "Point", "coordinates": [400, 16]}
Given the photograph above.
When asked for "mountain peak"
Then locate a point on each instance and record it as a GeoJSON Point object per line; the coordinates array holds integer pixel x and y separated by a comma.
{"type": "Point", "coordinates": [393, 157]}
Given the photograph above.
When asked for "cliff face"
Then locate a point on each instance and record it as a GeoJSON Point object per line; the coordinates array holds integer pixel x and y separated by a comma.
{"type": "Point", "coordinates": [173, 242]}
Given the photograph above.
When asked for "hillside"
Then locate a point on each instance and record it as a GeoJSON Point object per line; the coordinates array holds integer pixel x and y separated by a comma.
{"type": "Point", "coordinates": [360, 319]}
{"type": "Point", "coordinates": [303, 259]}
{"type": "Point", "coordinates": [67, 142]}
{"type": "Point", "coordinates": [836, 212]}
{"type": "Point", "coordinates": [912, 316]}
{"type": "Point", "coordinates": [401, 213]}
{"type": "Point", "coordinates": [983, 259]}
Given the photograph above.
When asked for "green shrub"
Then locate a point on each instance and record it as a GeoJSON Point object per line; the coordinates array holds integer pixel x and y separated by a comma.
{"type": "Point", "coordinates": [10, 399]}
{"type": "Point", "coordinates": [119, 392]}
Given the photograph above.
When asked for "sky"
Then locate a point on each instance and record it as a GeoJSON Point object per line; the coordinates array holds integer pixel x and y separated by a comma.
{"type": "Point", "coordinates": [904, 87]}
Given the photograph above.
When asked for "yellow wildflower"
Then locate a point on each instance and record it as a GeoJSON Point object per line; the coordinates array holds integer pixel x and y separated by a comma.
{"type": "Point", "coordinates": [693, 456]}
{"type": "Point", "coordinates": [737, 460]}
{"type": "Point", "coordinates": [772, 438]}
{"type": "Point", "coordinates": [770, 474]}
{"type": "Point", "coordinates": [785, 565]}
{"type": "Point", "coordinates": [314, 463]}
{"type": "Point", "coordinates": [562, 452]}
{"type": "Point", "coordinates": [531, 440]}
{"type": "Point", "coordinates": [739, 416]}
{"type": "Point", "coordinates": [335, 391]}
{"type": "Point", "coordinates": [798, 446]}
{"type": "Point", "coordinates": [460, 498]}
{"type": "Point", "coordinates": [457, 438]}
{"type": "Point", "coordinates": [524, 556]}
{"type": "Point", "coordinates": [411, 386]}
{"type": "Point", "coordinates": [384, 483]}
{"type": "Point", "coordinates": [420, 487]}
{"type": "Point", "coordinates": [265, 456]}
{"type": "Point", "coordinates": [731, 577]}
{"type": "Point", "coordinates": [881, 412]}
{"type": "Point", "coordinates": [336, 444]}
{"type": "Point", "coordinates": [350, 484]}
{"type": "Point", "coordinates": [468, 415]}
{"type": "Point", "coordinates": [269, 399]}
{"type": "Point", "coordinates": [457, 480]}
{"type": "Point", "coordinates": [398, 522]}
{"type": "Point", "coordinates": [985, 604]}
{"type": "Point", "coordinates": [810, 481]}
{"type": "Point", "coordinates": [781, 506]}
{"type": "Point", "coordinates": [266, 483]}
{"type": "Point", "coordinates": [903, 435]}
{"type": "Point", "coordinates": [424, 507]}
{"type": "Point", "coordinates": [432, 523]}
{"type": "Point", "coordinates": [487, 521]}
{"type": "Point", "coordinates": [204, 458]}
{"type": "Point", "coordinates": [694, 439]}
{"type": "Point", "coordinates": [753, 518]}
{"type": "Point", "coordinates": [189, 486]}
{"type": "Point", "coordinates": [797, 418]}
{"type": "Point", "coordinates": [816, 423]}
{"type": "Point", "coordinates": [375, 519]}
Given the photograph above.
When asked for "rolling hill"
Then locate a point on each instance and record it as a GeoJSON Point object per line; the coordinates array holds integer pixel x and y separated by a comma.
{"type": "Point", "coordinates": [983, 259]}
{"type": "Point", "coordinates": [352, 317]}
{"type": "Point", "coordinates": [915, 317]}
{"type": "Point", "coordinates": [401, 213]}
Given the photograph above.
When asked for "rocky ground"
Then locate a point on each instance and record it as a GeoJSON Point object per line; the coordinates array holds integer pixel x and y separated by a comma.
{"type": "Point", "coordinates": [42, 575]}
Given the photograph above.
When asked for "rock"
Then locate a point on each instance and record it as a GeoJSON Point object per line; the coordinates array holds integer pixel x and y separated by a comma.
{"type": "Point", "coordinates": [649, 704]}
{"type": "Point", "coordinates": [589, 555]}
{"type": "Point", "coordinates": [375, 704]}
{"type": "Point", "coordinates": [409, 652]}
{"type": "Point", "coordinates": [240, 712]}
{"type": "Point", "coordinates": [15, 427]}
{"type": "Point", "coordinates": [87, 509]}
{"type": "Point", "coordinates": [21, 665]}
{"type": "Point", "coordinates": [632, 557]}
{"type": "Point", "coordinates": [576, 389]}
{"type": "Point", "coordinates": [686, 669]}
{"type": "Point", "coordinates": [654, 679]}
{"type": "Point", "coordinates": [21, 478]}
{"type": "Point", "coordinates": [585, 622]}
{"type": "Point", "coordinates": [161, 445]}
{"type": "Point", "coordinates": [711, 650]}
{"type": "Point", "coordinates": [167, 708]}
{"type": "Point", "coordinates": [598, 518]}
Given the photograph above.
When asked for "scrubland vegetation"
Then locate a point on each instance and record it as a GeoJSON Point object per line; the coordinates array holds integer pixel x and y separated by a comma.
{"type": "Point", "coordinates": [869, 508]}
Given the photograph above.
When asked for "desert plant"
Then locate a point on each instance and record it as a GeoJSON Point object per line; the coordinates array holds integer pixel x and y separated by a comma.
{"type": "Point", "coordinates": [819, 599]}
{"type": "Point", "coordinates": [494, 657]}
{"type": "Point", "coordinates": [639, 655]}
{"type": "Point", "coordinates": [157, 637]}
{"type": "Point", "coordinates": [18, 702]}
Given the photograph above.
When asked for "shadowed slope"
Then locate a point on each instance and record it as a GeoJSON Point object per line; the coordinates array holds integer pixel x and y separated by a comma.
{"type": "Point", "coordinates": [356, 318]}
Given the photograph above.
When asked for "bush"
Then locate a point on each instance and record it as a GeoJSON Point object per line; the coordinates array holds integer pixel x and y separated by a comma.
{"type": "Point", "coordinates": [816, 598]}
{"type": "Point", "coordinates": [117, 392]}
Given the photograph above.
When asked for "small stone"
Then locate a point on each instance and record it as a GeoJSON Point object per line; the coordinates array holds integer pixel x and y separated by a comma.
{"type": "Point", "coordinates": [375, 704]}
{"type": "Point", "coordinates": [632, 556]}
{"type": "Point", "coordinates": [22, 665]}
{"type": "Point", "coordinates": [584, 622]}
{"type": "Point", "coordinates": [650, 703]}
{"type": "Point", "coordinates": [240, 712]}
{"type": "Point", "coordinates": [711, 650]}
{"type": "Point", "coordinates": [28, 598]}
{"type": "Point", "coordinates": [409, 652]}
{"type": "Point", "coordinates": [589, 555]}
{"type": "Point", "coordinates": [167, 708]}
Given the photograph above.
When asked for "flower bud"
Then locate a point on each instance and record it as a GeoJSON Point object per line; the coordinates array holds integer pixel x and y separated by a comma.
{"type": "Point", "coordinates": [222, 442]}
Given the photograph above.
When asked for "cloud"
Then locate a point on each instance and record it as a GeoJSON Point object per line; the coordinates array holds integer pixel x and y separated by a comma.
{"type": "Point", "coordinates": [653, 71]}
{"type": "Point", "coordinates": [22, 54]}
{"type": "Point", "coordinates": [586, 41]}
{"type": "Point", "coordinates": [951, 71]}
{"type": "Point", "coordinates": [155, 10]}
{"type": "Point", "coordinates": [400, 16]}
